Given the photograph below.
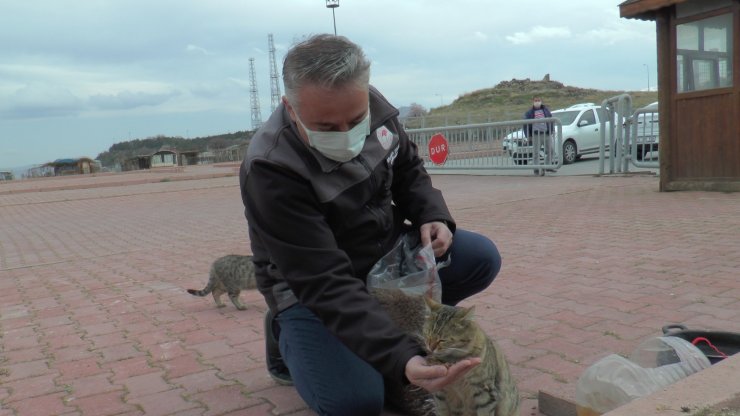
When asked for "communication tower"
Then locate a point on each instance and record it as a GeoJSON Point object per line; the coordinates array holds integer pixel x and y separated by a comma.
{"type": "Point", "coordinates": [254, 97]}
{"type": "Point", "coordinates": [274, 80]}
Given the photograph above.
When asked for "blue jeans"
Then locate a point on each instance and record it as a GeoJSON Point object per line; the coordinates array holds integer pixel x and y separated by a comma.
{"type": "Point", "coordinates": [334, 381]}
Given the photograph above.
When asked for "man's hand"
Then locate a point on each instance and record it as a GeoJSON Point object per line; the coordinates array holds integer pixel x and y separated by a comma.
{"type": "Point", "coordinates": [435, 377]}
{"type": "Point", "coordinates": [438, 234]}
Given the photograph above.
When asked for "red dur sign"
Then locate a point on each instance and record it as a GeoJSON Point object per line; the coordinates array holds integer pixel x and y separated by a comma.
{"type": "Point", "coordinates": [438, 149]}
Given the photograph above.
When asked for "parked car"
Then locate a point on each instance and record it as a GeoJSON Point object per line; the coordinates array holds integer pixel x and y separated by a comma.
{"type": "Point", "coordinates": [647, 133]}
{"type": "Point", "coordinates": [515, 137]}
{"type": "Point", "coordinates": [581, 135]}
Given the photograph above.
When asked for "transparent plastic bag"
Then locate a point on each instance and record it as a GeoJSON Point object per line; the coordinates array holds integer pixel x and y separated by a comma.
{"type": "Point", "coordinates": [614, 380]}
{"type": "Point", "coordinates": [408, 267]}
{"type": "Point", "coordinates": [661, 351]}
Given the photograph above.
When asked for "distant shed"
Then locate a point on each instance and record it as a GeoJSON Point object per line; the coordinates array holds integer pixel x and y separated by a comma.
{"type": "Point", "coordinates": [79, 166]}
{"type": "Point", "coordinates": [698, 43]}
{"type": "Point", "coordinates": [164, 158]}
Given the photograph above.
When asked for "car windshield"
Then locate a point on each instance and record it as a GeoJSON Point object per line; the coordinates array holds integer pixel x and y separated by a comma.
{"type": "Point", "coordinates": [566, 117]}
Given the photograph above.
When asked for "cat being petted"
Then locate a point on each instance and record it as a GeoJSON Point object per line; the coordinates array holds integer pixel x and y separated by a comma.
{"type": "Point", "coordinates": [451, 335]}
{"type": "Point", "coordinates": [229, 274]}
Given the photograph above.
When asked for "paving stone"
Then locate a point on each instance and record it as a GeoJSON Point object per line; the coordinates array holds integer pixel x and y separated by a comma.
{"type": "Point", "coordinates": [146, 384]}
{"type": "Point", "coordinates": [46, 405]}
{"type": "Point", "coordinates": [164, 403]}
{"type": "Point", "coordinates": [31, 387]}
{"type": "Point", "coordinates": [225, 399]}
{"type": "Point", "coordinates": [106, 404]}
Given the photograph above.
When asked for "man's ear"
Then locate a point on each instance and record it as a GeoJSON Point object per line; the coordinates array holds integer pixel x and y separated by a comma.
{"type": "Point", "coordinates": [289, 107]}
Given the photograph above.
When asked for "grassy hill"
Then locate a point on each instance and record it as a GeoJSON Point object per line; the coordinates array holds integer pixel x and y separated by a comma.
{"type": "Point", "coordinates": [510, 99]}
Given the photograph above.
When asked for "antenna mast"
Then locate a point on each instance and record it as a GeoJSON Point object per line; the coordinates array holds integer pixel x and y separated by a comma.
{"type": "Point", "coordinates": [274, 80]}
{"type": "Point", "coordinates": [254, 97]}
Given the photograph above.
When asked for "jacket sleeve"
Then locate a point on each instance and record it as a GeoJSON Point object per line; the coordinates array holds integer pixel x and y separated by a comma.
{"type": "Point", "coordinates": [282, 209]}
{"type": "Point", "coordinates": [413, 193]}
{"type": "Point", "coordinates": [529, 114]}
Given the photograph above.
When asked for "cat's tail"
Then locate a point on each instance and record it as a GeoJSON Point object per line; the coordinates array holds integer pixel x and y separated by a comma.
{"type": "Point", "coordinates": [206, 290]}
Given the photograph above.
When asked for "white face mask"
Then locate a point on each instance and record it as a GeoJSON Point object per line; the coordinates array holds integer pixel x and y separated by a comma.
{"type": "Point", "coordinates": [341, 146]}
{"type": "Point", "coordinates": [537, 104]}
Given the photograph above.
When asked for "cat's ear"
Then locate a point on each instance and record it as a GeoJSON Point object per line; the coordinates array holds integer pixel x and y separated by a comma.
{"type": "Point", "coordinates": [468, 313]}
{"type": "Point", "coordinates": [431, 303]}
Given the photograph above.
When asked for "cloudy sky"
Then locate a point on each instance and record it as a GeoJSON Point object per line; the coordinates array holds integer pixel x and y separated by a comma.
{"type": "Point", "coordinates": [77, 76]}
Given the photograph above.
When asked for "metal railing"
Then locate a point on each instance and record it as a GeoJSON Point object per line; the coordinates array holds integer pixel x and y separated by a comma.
{"type": "Point", "coordinates": [485, 146]}
{"type": "Point", "coordinates": [617, 111]}
{"type": "Point", "coordinates": [645, 137]}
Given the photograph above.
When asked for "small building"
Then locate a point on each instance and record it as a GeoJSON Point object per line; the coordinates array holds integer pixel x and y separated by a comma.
{"type": "Point", "coordinates": [698, 43]}
{"type": "Point", "coordinates": [80, 166]}
{"type": "Point", "coordinates": [139, 162]}
{"type": "Point", "coordinates": [41, 171]}
{"type": "Point", "coordinates": [188, 158]}
{"type": "Point", "coordinates": [164, 158]}
{"type": "Point", "coordinates": [205, 158]}
{"type": "Point", "coordinates": [232, 153]}
{"type": "Point", "coordinates": [6, 175]}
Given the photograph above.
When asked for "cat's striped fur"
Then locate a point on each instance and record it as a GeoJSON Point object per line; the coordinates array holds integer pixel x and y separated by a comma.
{"type": "Point", "coordinates": [229, 274]}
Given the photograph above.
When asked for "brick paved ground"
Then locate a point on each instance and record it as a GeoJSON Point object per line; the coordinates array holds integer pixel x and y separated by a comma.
{"type": "Point", "coordinates": [95, 320]}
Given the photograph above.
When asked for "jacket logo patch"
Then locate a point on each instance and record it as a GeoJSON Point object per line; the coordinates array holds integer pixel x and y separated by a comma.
{"type": "Point", "coordinates": [385, 137]}
{"type": "Point", "coordinates": [392, 157]}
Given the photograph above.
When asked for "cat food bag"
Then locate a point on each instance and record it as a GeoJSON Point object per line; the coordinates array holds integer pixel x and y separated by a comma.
{"type": "Point", "coordinates": [408, 267]}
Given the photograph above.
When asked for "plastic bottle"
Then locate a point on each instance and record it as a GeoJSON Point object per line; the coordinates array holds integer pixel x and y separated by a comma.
{"type": "Point", "coordinates": [614, 380]}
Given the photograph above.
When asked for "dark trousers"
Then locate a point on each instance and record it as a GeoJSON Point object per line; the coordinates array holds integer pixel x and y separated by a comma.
{"type": "Point", "coordinates": [334, 381]}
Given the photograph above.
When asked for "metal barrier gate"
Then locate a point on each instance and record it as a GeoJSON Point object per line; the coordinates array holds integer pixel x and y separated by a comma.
{"type": "Point", "coordinates": [485, 146]}
{"type": "Point", "coordinates": [632, 137]}
{"type": "Point", "coordinates": [617, 109]}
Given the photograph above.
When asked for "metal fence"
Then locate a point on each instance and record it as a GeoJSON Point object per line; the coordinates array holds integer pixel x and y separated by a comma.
{"type": "Point", "coordinates": [490, 146]}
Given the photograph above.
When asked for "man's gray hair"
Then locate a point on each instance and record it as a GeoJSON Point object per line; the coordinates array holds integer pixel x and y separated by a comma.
{"type": "Point", "coordinates": [325, 60]}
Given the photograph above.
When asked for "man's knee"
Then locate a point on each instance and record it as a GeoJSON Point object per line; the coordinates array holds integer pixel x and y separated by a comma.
{"type": "Point", "coordinates": [355, 403]}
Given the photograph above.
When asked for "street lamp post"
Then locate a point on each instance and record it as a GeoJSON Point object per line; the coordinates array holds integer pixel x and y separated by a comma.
{"type": "Point", "coordinates": [333, 4]}
{"type": "Point", "coordinates": [647, 70]}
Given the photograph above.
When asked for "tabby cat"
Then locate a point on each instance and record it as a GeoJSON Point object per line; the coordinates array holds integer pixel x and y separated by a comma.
{"type": "Point", "coordinates": [450, 334]}
{"type": "Point", "coordinates": [229, 274]}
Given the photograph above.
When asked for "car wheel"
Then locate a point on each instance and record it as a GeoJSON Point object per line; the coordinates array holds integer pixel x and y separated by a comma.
{"type": "Point", "coordinates": [569, 152]}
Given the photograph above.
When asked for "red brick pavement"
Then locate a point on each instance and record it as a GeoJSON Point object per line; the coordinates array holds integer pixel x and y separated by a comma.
{"type": "Point", "coordinates": [95, 320]}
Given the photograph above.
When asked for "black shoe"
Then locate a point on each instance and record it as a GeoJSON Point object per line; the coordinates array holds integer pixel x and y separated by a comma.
{"type": "Point", "coordinates": [275, 365]}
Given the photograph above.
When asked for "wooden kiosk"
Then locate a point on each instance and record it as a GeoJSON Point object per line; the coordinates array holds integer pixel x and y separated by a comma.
{"type": "Point", "coordinates": [698, 45]}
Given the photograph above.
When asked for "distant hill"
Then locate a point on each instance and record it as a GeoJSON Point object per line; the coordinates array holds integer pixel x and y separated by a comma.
{"type": "Point", "coordinates": [510, 99]}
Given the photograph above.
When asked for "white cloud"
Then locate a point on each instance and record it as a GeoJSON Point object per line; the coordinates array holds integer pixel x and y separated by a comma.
{"type": "Point", "coordinates": [614, 34]}
{"type": "Point", "coordinates": [539, 33]}
{"type": "Point", "coordinates": [480, 36]}
{"type": "Point", "coordinates": [40, 100]}
{"type": "Point", "coordinates": [125, 100]}
{"type": "Point", "coordinates": [197, 49]}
